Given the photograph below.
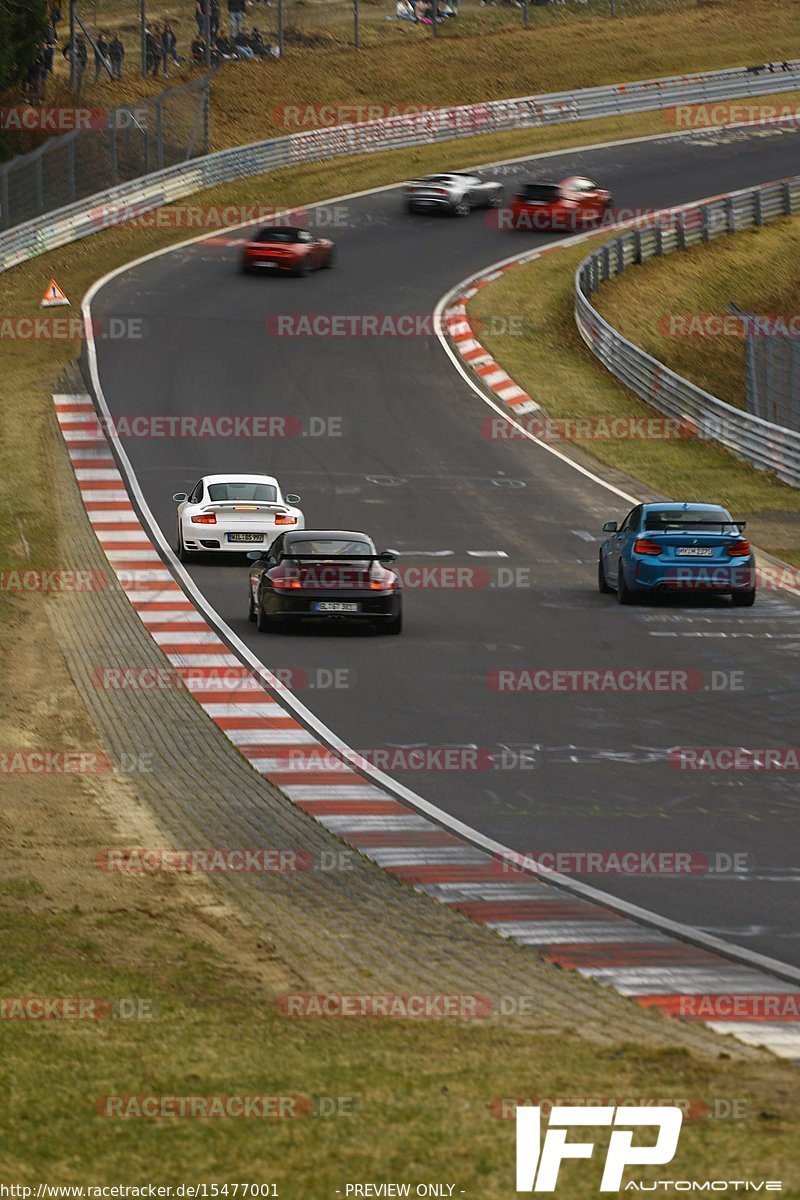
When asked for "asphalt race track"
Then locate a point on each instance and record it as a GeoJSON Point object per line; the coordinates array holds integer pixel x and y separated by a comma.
{"type": "Point", "coordinates": [412, 466]}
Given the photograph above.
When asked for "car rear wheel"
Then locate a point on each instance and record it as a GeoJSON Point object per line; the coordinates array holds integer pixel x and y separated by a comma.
{"type": "Point", "coordinates": [330, 260]}
{"type": "Point", "coordinates": [394, 624]}
{"type": "Point", "coordinates": [303, 269]}
{"type": "Point", "coordinates": [625, 595]}
{"type": "Point", "coordinates": [264, 624]}
{"type": "Point", "coordinates": [602, 582]}
{"type": "Point", "coordinates": [183, 553]}
{"type": "Point", "coordinates": [744, 599]}
{"type": "Point", "coordinates": [462, 209]}
{"type": "Point", "coordinates": [496, 200]}
{"type": "Point", "coordinates": [251, 608]}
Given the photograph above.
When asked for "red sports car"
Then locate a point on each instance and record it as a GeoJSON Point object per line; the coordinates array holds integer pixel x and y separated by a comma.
{"type": "Point", "coordinates": [571, 204]}
{"type": "Point", "coordinates": [286, 248]}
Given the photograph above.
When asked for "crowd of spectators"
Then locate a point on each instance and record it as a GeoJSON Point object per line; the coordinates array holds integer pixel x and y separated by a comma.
{"type": "Point", "coordinates": [233, 41]}
{"type": "Point", "coordinates": [421, 12]}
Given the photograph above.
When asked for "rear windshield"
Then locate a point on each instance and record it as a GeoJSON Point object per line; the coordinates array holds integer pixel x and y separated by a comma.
{"type": "Point", "coordinates": [540, 191]}
{"type": "Point", "coordinates": [243, 491]}
{"type": "Point", "coordinates": [281, 235]}
{"type": "Point", "coordinates": [330, 548]}
{"type": "Point", "coordinates": [713, 520]}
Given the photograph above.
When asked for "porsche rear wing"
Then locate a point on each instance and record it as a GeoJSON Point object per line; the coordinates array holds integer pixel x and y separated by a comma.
{"type": "Point", "coordinates": [332, 558]}
{"type": "Point", "coordinates": [247, 505]}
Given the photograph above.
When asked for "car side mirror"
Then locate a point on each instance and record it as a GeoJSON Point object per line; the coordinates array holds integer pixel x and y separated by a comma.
{"type": "Point", "coordinates": [292, 499]}
{"type": "Point", "coordinates": [179, 497]}
{"type": "Point", "coordinates": [255, 555]}
{"type": "Point", "coordinates": [610, 527]}
{"type": "Point", "coordinates": [387, 556]}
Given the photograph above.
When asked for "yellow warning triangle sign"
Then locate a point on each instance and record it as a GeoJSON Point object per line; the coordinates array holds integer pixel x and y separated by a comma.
{"type": "Point", "coordinates": [53, 295]}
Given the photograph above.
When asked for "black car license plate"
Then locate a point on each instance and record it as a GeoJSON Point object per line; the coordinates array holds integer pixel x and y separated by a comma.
{"type": "Point", "coordinates": [335, 606]}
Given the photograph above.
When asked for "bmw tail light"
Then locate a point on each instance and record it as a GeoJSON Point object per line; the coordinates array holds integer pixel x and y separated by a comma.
{"type": "Point", "coordinates": [204, 519]}
{"type": "Point", "coordinates": [645, 546]}
{"type": "Point", "coordinates": [738, 549]}
{"type": "Point", "coordinates": [285, 519]}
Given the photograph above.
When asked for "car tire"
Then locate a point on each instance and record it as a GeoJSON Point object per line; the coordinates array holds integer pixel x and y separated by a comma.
{"type": "Point", "coordinates": [245, 268]}
{"type": "Point", "coordinates": [625, 595]}
{"type": "Point", "coordinates": [303, 270]}
{"type": "Point", "coordinates": [745, 598]}
{"type": "Point", "coordinates": [264, 624]}
{"type": "Point", "coordinates": [183, 554]}
{"type": "Point", "coordinates": [394, 624]}
{"type": "Point", "coordinates": [462, 209]}
{"type": "Point", "coordinates": [496, 200]}
{"type": "Point", "coordinates": [251, 608]}
{"type": "Point", "coordinates": [330, 261]}
{"type": "Point", "coordinates": [602, 583]}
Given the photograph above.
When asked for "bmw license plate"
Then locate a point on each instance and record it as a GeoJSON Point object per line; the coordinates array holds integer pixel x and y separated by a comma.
{"type": "Point", "coordinates": [332, 606]}
{"type": "Point", "coordinates": [696, 551]}
{"type": "Point", "coordinates": [245, 537]}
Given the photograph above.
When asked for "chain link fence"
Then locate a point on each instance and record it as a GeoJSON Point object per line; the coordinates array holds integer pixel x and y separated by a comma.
{"type": "Point", "coordinates": [772, 367]}
{"type": "Point", "coordinates": [117, 146]}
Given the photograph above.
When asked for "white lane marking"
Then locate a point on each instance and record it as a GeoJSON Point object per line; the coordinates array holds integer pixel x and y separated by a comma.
{"type": "Point", "coordinates": [265, 709]}
{"type": "Point", "coordinates": [333, 791]}
{"type": "Point", "coordinates": [186, 637]}
{"type": "Point", "coordinates": [555, 933]}
{"type": "Point", "coordinates": [487, 553]}
{"type": "Point", "coordinates": [783, 1040]}
{"type": "Point", "coordinates": [584, 535]}
{"type": "Point", "coordinates": [425, 856]}
{"type": "Point", "coordinates": [425, 553]}
{"type": "Point", "coordinates": [689, 981]}
{"type": "Point", "coordinates": [456, 826]}
{"type": "Point", "coordinates": [720, 634]}
{"type": "Point", "coordinates": [370, 823]}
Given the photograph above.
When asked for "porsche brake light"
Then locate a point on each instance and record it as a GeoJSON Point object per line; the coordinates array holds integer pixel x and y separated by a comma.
{"type": "Point", "coordinates": [645, 546]}
{"type": "Point", "coordinates": [285, 582]}
{"type": "Point", "coordinates": [285, 519]}
{"type": "Point", "coordinates": [738, 549]}
{"type": "Point", "coordinates": [204, 519]}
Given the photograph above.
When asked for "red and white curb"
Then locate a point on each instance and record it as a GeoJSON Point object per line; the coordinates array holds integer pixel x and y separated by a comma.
{"type": "Point", "coordinates": [652, 967]}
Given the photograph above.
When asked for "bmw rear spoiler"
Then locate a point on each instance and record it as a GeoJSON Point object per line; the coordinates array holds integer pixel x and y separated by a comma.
{"type": "Point", "coordinates": [697, 524]}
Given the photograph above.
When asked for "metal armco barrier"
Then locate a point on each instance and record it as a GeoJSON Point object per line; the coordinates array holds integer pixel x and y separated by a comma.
{"type": "Point", "coordinates": [162, 187]}
{"type": "Point", "coordinates": [767, 446]}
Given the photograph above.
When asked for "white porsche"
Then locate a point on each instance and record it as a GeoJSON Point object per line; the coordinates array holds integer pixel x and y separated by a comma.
{"type": "Point", "coordinates": [233, 514]}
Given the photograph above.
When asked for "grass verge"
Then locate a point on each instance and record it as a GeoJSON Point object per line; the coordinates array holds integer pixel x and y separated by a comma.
{"type": "Point", "coordinates": [756, 270]}
{"type": "Point", "coordinates": [552, 363]}
{"type": "Point", "coordinates": [402, 65]}
{"type": "Point", "coordinates": [421, 1091]}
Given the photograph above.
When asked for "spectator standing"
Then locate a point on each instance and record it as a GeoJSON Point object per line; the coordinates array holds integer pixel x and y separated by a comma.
{"type": "Point", "coordinates": [236, 9]}
{"type": "Point", "coordinates": [152, 49]}
{"type": "Point", "coordinates": [215, 19]}
{"type": "Point", "coordinates": [100, 53]}
{"type": "Point", "coordinates": [200, 17]}
{"type": "Point", "coordinates": [77, 60]}
{"type": "Point", "coordinates": [48, 54]}
{"type": "Point", "coordinates": [116, 53]}
{"type": "Point", "coordinates": [172, 45]}
{"type": "Point", "coordinates": [55, 14]}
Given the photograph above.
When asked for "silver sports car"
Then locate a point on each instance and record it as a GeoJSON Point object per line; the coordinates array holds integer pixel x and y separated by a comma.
{"type": "Point", "coordinates": [455, 193]}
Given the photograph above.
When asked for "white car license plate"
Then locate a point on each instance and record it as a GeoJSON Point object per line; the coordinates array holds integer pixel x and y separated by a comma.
{"type": "Point", "coordinates": [332, 606]}
{"type": "Point", "coordinates": [245, 537]}
{"type": "Point", "coordinates": [696, 551]}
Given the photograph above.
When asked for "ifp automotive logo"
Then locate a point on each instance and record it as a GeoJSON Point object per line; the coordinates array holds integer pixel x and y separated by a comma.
{"type": "Point", "coordinates": [539, 1161]}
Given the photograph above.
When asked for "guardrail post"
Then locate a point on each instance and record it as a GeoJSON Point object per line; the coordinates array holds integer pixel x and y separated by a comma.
{"type": "Point", "coordinates": [680, 231]}
{"type": "Point", "coordinates": [39, 185]}
{"type": "Point", "coordinates": [5, 214]}
{"type": "Point", "coordinates": [758, 208]}
{"type": "Point", "coordinates": [659, 242]}
{"type": "Point", "coordinates": [620, 255]}
{"type": "Point", "coordinates": [606, 263]}
{"type": "Point", "coordinates": [71, 169]}
{"type": "Point", "coordinates": [637, 246]}
{"type": "Point", "coordinates": [730, 215]}
{"type": "Point", "coordinates": [159, 136]}
{"type": "Point", "coordinates": [786, 194]}
{"type": "Point", "coordinates": [112, 151]}
{"type": "Point", "coordinates": [704, 231]}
